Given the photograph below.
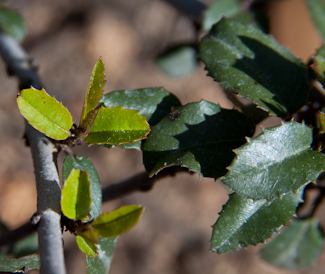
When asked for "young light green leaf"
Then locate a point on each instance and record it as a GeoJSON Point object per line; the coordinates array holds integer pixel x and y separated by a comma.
{"type": "Point", "coordinates": [93, 95]}
{"type": "Point", "coordinates": [76, 197]}
{"type": "Point", "coordinates": [318, 64]}
{"type": "Point", "coordinates": [244, 60]}
{"type": "Point", "coordinates": [118, 221]}
{"type": "Point", "coordinates": [317, 13]}
{"type": "Point", "coordinates": [83, 163]}
{"type": "Point", "coordinates": [116, 126]}
{"type": "Point", "coordinates": [45, 113]}
{"type": "Point", "coordinates": [278, 161]}
{"type": "Point", "coordinates": [199, 136]}
{"type": "Point", "coordinates": [179, 61]}
{"type": "Point", "coordinates": [297, 246]}
{"type": "Point", "coordinates": [244, 222]}
{"type": "Point", "coordinates": [20, 265]}
{"type": "Point", "coordinates": [87, 247]}
{"type": "Point", "coordinates": [12, 23]}
{"type": "Point", "coordinates": [153, 103]}
{"type": "Point", "coordinates": [101, 264]}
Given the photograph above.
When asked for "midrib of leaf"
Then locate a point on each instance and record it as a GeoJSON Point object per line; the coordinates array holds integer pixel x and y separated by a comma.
{"type": "Point", "coordinates": [47, 117]}
{"type": "Point", "coordinates": [294, 244]}
{"type": "Point", "coordinates": [244, 221]}
{"type": "Point", "coordinates": [118, 219]}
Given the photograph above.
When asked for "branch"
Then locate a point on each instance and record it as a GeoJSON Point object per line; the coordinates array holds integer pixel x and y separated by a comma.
{"type": "Point", "coordinates": [44, 158]}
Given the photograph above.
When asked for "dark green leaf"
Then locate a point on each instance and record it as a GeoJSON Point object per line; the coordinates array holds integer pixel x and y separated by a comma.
{"type": "Point", "coordinates": [118, 221]}
{"type": "Point", "coordinates": [317, 12]}
{"type": "Point", "coordinates": [115, 126]}
{"type": "Point", "coordinates": [93, 95]}
{"type": "Point", "coordinates": [102, 263]}
{"type": "Point", "coordinates": [248, 62]}
{"type": "Point", "coordinates": [12, 23]}
{"type": "Point", "coordinates": [20, 265]}
{"type": "Point", "coordinates": [45, 113]}
{"type": "Point", "coordinates": [153, 103]}
{"type": "Point", "coordinates": [83, 163]}
{"type": "Point", "coordinates": [297, 246]}
{"type": "Point", "coordinates": [87, 247]}
{"type": "Point", "coordinates": [200, 136]}
{"type": "Point", "coordinates": [179, 61]}
{"type": "Point", "coordinates": [318, 64]}
{"type": "Point", "coordinates": [244, 222]}
{"type": "Point", "coordinates": [276, 162]}
{"type": "Point", "coordinates": [25, 246]}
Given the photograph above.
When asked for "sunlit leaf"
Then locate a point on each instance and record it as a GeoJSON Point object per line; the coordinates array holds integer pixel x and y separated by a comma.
{"type": "Point", "coordinates": [153, 103]}
{"type": "Point", "coordinates": [244, 222]}
{"type": "Point", "coordinates": [278, 161]}
{"type": "Point", "coordinates": [318, 64]}
{"type": "Point", "coordinates": [118, 221]}
{"type": "Point", "coordinates": [76, 197]}
{"type": "Point", "coordinates": [116, 126]}
{"type": "Point", "coordinates": [317, 13]}
{"type": "Point", "coordinates": [20, 265]}
{"type": "Point", "coordinates": [87, 247]}
{"type": "Point", "coordinates": [297, 246]}
{"type": "Point", "coordinates": [93, 95]}
{"type": "Point", "coordinates": [83, 163]}
{"type": "Point", "coordinates": [200, 136]}
{"type": "Point", "coordinates": [12, 23]}
{"type": "Point", "coordinates": [246, 61]}
{"type": "Point", "coordinates": [102, 263]}
{"type": "Point", "coordinates": [45, 113]}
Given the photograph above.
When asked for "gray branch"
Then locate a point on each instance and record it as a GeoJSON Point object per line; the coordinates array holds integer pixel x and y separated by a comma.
{"type": "Point", "coordinates": [44, 158]}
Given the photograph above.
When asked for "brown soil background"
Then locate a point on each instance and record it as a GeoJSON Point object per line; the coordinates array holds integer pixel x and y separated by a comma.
{"type": "Point", "coordinates": [65, 39]}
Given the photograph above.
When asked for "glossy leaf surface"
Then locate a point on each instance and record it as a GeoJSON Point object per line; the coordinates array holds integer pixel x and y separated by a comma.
{"type": "Point", "coordinates": [118, 221]}
{"type": "Point", "coordinates": [87, 247]}
{"type": "Point", "coordinates": [278, 161]}
{"type": "Point", "coordinates": [116, 126]}
{"type": "Point", "coordinates": [243, 222]}
{"type": "Point", "coordinates": [252, 64]}
{"type": "Point", "coordinates": [102, 263]}
{"type": "Point", "coordinates": [297, 246]}
{"type": "Point", "coordinates": [83, 163]}
{"type": "Point", "coordinates": [179, 61]}
{"type": "Point", "coordinates": [12, 23]}
{"type": "Point", "coordinates": [45, 113]}
{"type": "Point", "coordinates": [20, 265]}
{"type": "Point", "coordinates": [317, 13]}
{"type": "Point", "coordinates": [199, 136]}
{"type": "Point", "coordinates": [76, 197]}
{"type": "Point", "coordinates": [153, 103]}
{"type": "Point", "coordinates": [93, 95]}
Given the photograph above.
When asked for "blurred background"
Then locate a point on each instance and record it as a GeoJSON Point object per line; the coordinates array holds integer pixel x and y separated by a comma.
{"type": "Point", "coordinates": [65, 39]}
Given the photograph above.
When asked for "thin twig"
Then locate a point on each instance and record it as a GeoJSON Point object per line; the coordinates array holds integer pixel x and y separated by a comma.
{"type": "Point", "coordinates": [43, 152]}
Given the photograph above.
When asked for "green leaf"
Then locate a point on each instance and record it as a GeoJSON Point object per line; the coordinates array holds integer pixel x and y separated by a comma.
{"type": "Point", "coordinates": [321, 119]}
{"type": "Point", "coordinates": [101, 264]}
{"type": "Point", "coordinates": [118, 221]}
{"type": "Point", "coordinates": [12, 23]}
{"type": "Point", "coordinates": [116, 126]}
{"type": "Point", "coordinates": [318, 64]}
{"type": "Point", "coordinates": [244, 222]}
{"type": "Point", "coordinates": [244, 60]}
{"type": "Point", "coordinates": [297, 246]}
{"type": "Point", "coordinates": [87, 247]}
{"type": "Point", "coordinates": [76, 197]}
{"type": "Point", "coordinates": [179, 61]}
{"type": "Point", "coordinates": [317, 12]}
{"type": "Point", "coordinates": [199, 136]}
{"type": "Point", "coordinates": [153, 103]}
{"type": "Point", "coordinates": [20, 265]}
{"type": "Point", "coordinates": [83, 163]}
{"type": "Point", "coordinates": [25, 246]}
{"type": "Point", "coordinates": [93, 95]}
{"type": "Point", "coordinates": [276, 162]}
{"type": "Point", "coordinates": [45, 113]}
